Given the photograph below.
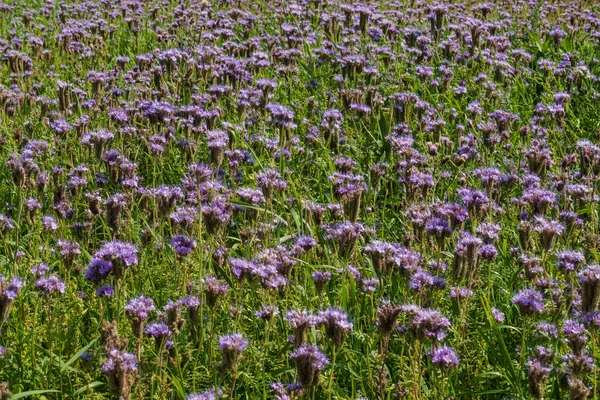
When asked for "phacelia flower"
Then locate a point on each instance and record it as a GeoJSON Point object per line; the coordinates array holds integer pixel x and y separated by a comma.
{"type": "Point", "coordinates": [529, 301]}
{"type": "Point", "coordinates": [309, 362]}
{"type": "Point", "coordinates": [444, 357]}
{"type": "Point", "coordinates": [232, 346]}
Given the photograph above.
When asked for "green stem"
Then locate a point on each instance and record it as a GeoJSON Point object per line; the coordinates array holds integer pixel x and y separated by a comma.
{"type": "Point", "coordinates": [334, 353]}
{"type": "Point", "coordinates": [595, 382]}
{"type": "Point", "coordinates": [234, 372]}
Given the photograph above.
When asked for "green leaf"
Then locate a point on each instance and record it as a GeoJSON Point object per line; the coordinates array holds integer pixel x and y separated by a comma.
{"type": "Point", "coordinates": [22, 395]}
{"type": "Point", "coordinates": [56, 360]}
{"type": "Point", "coordinates": [280, 371]}
{"type": "Point", "coordinates": [178, 386]}
{"type": "Point", "coordinates": [506, 361]}
{"type": "Point", "coordinates": [87, 387]}
{"type": "Point", "coordinates": [492, 391]}
{"type": "Point", "coordinates": [78, 354]}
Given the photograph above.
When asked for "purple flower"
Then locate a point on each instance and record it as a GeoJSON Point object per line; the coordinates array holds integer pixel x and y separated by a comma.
{"type": "Point", "coordinates": [473, 199]}
{"type": "Point", "coordinates": [589, 279]}
{"type": "Point", "coordinates": [105, 291]}
{"type": "Point", "coordinates": [119, 361]}
{"type": "Point", "coordinates": [547, 329]}
{"type": "Point", "coordinates": [68, 251]}
{"type": "Point", "coordinates": [304, 244]}
{"type": "Point", "coordinates": [242, 268]}
{"type": "Point", "coordinates": [460, 293]}
{"type": "Point", "coordinates": [439, 228]}
{"type": "Point", "coordinates": [269, 181]}
{"type": "Point", "coordinates": [368, 285]}
{"type": "Point", "coordinates": [444, 357]}
{"type": "Point", "coordinates": [217, 139]}
{"type": "Point", "coordinates": [159, 331]}
{"type": "Point", "coordinates": [405, 259]}
{"type": "Point", "coordinates": [283, 392]}
{"type": "Point", "coordinates": [427, 323]}
{"type": "Point", "coordinates": [40, 270]}
{"type": "Point", "coordinates": [420, 280]}
{"type": "Point", "coordinates": [50, 285]}
{"type": "Point", "coordinates": [498, 315]}
{"type": "Point", "coordinates": [300, 321]}
{"type": "Point", "coordinates": [488, 232]}
{"type": "Point", "coordinates": [118, 115]}
{"type": "Point", "coordinates": [166, 197]}
{"type": "Point", "coordinates": [32, 205]}
{"type": "Point", "coordinates": [578, 364]}
{"type": "Point", "coordinates": [309, 362]}
{"type": "Point", "coordinates": [232, 346]}
{"type": "Point", "coordinates": [214, 290]}
{"type": "Point", "coordinates": [281, 116]}
{"type": "Point", "coordinates": [190, 302]}
{"type": "Point", "coordinates": [320, 279]}
{"type": "Point", "coordinates": [529, 301]}
{"type": "Point", "coordinates": [539, 199]}
{"type": "Point", "coordinates": [138, 310]}
{"type": "Point", "coordinates": [216, 214]}
{"type": "Point", "coordinates": [570, 260]}
{"type": "Point", "coordinates": [140, 307]}
{"type": "Point", "coordinates": [336, 324]}
{"type": "Point", "coordinates": [112, 257]}
{"type": "Point", "coordinates": [361, 109]}
{"type": "Point", "coordinates": [98, 270]}
{"type": "Point", "coordinates": [548, 231]}
{"type": "Point", "coordinates": [251, 196]}
{"type": "Point", "coordinates": [49, 223]}
{"type": "Point", "coordinates": [488, 252]}
{"type": "Point", "coordinates": [182, 245]}
{"type": "Point", "coordinates": [120, 368]}
{"type": "Point", "coordinates": [97, 140]}
{"type": "Point", "coordinates": [60, 126]}
{"type": "Point", "coordinates": [6, 224]}
{"type": "Point", "coordinates": [210, 394]}
{"type": "Point", "coordinates": [381, 256]}
{"type": "Point", "coordinates": [344, 235]}
{"type": "Point", "coordinates": [489, 176]}
{"type": "Point", "coordinates": [466, 255]}
{"type": "Point", "coordinates": [9, 291]}
{"type": "Point", "coordinates": [267, 312]}
{"type": "Point", "coordinates": [184, 216]}
{"type": "Point", "coordinates": [537, 374]}
{"type": "Point", "coordinates": [576, 335]}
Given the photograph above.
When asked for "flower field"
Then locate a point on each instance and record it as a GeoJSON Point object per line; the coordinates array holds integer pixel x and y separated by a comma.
{"type": "Point", "coordinates": [305, 199]}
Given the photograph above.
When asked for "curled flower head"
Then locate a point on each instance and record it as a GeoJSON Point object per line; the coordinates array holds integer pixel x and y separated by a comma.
{"type": "Point", "coordinates": [309, 362]}
{"type": "Point", "coordinates": [300, 321]}
{"type": "Point", "coordinates": [570, 260]}
{"type": "Point", "coordinates": [232, 347]}
{"type": "Point", "coordinates": [50, 285]}
{"type": "Point", "coordinates": [387, 317]}
{"type": "Point", "coordinates": [336, 324]}
{"type": "Point", "coordinates": [182, 245]}
{"type": "Point", "coordinates": [120, 368]}
{"type": "Point", "coordinates": [138, 310]}
{"type": "Point", "coordinates": [112, 258]}
{"type": "Point", "coordinates": [444, 357]}
{"type": "Point", "coordinates": [210, 394]}
{"type": "Point", "coordinates": [427, 323]}
{"type": "Point", "coordinates": [589, 279]}
{"type": "Point", "coordinates": [529, 301]}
